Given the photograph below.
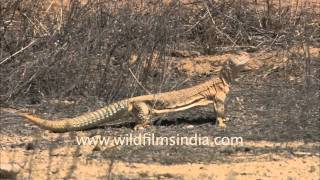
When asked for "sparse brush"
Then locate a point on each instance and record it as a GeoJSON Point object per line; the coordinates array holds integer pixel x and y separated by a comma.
{"type": "Point", "coordinates": [109, 49]}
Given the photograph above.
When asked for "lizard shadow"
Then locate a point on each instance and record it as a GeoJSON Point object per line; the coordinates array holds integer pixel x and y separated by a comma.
{"type": "Point", "coordinates": [167, 122]}
{"type": "Point", "coordinates": [184, 120]}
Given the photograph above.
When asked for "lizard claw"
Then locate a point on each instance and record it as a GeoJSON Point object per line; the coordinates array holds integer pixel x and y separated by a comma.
{"type": "Point", "coordinates": [140, 127]}
{"type": "Point", "coordinates": [221, 123]}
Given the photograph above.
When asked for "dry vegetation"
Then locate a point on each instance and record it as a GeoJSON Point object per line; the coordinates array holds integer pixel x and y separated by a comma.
{"type": "Point", "coordinates": [84, 52]}
{"type": "Point", "coordinates": [83, 49]}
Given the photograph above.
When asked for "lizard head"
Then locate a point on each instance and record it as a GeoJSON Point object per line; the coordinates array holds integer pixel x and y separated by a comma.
{"type": "Point", "coordinates": [233, 66]}
{"type": "Point", "coordinates": [239, 61]}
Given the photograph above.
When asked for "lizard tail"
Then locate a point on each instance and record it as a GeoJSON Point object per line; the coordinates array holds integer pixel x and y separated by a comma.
{"type": "Point", "coordinates": [82, 122]}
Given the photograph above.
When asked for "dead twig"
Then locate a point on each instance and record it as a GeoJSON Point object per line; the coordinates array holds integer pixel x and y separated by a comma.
{"type": "Point", "coordinates": [139, 83]}
{"type": "Point", "coordinates": [217, 29]}
{"type": "Point", "coordinates": [16, 53]}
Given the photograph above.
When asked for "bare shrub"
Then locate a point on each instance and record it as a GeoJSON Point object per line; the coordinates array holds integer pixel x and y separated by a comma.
{"type": "Point", "coordinates": [86, 49]}
{"type": "Point", "coordinates": [83, 49]}
{"type": "Point", "coordinates": [253, 25]}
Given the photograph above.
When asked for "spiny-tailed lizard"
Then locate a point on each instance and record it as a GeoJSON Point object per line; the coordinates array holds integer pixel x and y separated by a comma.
{"type": "Point", "coordinates": [213, 92]}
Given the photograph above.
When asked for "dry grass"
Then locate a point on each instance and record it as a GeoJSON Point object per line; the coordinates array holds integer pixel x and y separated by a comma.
{"type": "Point", "coordinates": [83, 49]}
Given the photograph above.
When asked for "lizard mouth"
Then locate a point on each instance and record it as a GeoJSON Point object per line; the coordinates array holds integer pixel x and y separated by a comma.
{"type": "Point", "coordinates": [240, 59]}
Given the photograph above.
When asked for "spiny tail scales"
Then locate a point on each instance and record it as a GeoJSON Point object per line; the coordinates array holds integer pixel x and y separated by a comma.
{"type": "Point", "coordinates": [85, 121]}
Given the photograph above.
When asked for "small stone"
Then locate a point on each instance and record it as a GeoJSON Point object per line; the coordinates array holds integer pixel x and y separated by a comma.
{"type": "Point", "coordinates": [312, 169]}
{"type": "Point", "coordinates": [97, 148]}
{"type": "Point", "coordinates": [190, 127]}
{"type": "Point", "coordinates": [30, 146]}
{"type": "Point", "coordinates": [9, 171]}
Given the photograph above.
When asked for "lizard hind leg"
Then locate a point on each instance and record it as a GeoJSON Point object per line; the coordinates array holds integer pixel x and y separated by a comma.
{"type": "Point", "coordinates": [142, 112]}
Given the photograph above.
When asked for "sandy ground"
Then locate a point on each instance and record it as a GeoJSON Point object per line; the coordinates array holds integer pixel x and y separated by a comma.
{"type": "Point", "coordinates": [72, 163]}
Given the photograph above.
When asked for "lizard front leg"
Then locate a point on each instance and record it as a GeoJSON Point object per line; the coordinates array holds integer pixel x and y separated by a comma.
{"type": "Point", "coordinates": [219, 110]}
{"type": "Point", "coordinates": [142, 112]}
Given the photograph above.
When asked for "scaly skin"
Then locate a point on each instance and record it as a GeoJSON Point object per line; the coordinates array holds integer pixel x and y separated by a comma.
{"type": "Point", "coordinates": [213, 91]}
{"type": "Point", "coordinates": [85, 121]}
